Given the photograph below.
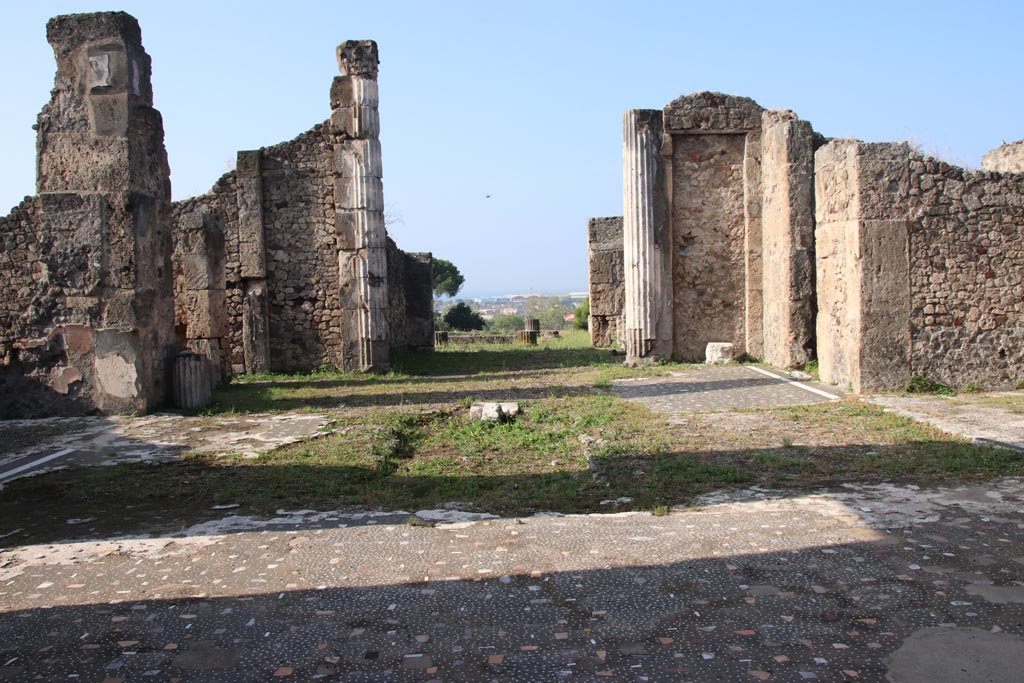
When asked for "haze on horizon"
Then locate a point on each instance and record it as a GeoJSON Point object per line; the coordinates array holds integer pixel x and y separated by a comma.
{"type": "Point", "coordinates": [501, 127]}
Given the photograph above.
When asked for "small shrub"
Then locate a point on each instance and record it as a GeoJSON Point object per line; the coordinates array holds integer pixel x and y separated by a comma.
{"type": "Point", "coordinates": [923, 384]}
{"type": "Point", "coordinates": [972, 388]}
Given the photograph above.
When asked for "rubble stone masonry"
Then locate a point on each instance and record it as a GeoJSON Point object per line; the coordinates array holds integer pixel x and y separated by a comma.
{"type": "Point", "coordinates": [607, 283]}
{"type": "Point", "coordinates": [920, 268]}
{"type": "Point", "coordinates": [86, 296]}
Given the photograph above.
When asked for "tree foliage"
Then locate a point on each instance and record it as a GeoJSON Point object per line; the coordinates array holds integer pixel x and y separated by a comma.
{"type": "Point", "coordinates": [462, 317]}
{"type": "Point", "coordinates": [549, 310]}
{"type": "Point", "coordinates": [447, 279]}
{"type": "Point", "coordinates": [506, 324]}
{"type": "Point", "coordinates": [582, 313]}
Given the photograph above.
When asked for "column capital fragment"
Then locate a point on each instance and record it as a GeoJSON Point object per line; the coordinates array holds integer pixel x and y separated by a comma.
{"type": "Point", "coordinates": [358, 58]}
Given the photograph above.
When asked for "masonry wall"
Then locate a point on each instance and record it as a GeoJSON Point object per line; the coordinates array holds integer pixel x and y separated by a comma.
{"type": "Point", "coordinates": [299, 261]}
{"type": "Point", "coordinates": [966, 274]}
{"type": "Point", "coordinates": [713, 145]}
{"type": "Point", "coordinates": [298, 257]}
{"type": "Point", "coordinates": [410, 299]}
{"type": "Point", "coordinates": [86, 309]}
{"type": "Point", "coordinates": [920, 269]}
{"type": "Point", "coordinates": [607, 279]}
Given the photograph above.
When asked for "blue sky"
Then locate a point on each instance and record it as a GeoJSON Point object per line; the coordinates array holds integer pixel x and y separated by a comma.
{"type": "Point", "coordinates": [523, 100]}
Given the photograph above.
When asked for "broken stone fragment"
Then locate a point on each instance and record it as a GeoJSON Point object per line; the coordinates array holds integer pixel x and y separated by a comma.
{"type": "Point", "coordinates": [719, 352]}
{"type": "Point", "coordinates": [493, 412]}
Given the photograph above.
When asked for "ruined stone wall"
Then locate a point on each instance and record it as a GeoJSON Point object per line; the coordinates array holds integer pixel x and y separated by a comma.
{"type": "Point", "coordinates": [301, 253]}
{"type": "Point", "coordinates": [296, 259]}
{"type": "Point", "coordinates": [920, 269]}
{"type": "Point", "coordinates": [713, 144]}
{"type": "Point", "coordinates": [410, 315]}
{"type": "Point", "coordinates": [966, 274]}
{"type": "Point", "coordinates": [87, 310]}
{"type": "Point", "coordinates": [296, 264]}
{"type": "Point", "coordinates": [219, 204]}
{"type": "Point", "coordinates": [418, 324]}
{"type": "Point", "coordinates": [607, 279]}
{"type": "Point", "coordinates": [1007, 158]}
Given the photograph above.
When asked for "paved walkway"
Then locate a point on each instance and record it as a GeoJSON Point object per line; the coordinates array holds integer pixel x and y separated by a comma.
{"type": "Point", "coordinates": [852, 585]}
{"type": "Point", "coordinates": [984, 424]}
{"type": "Point", "coordinates": [30, 447]}
{"type": "Point", "coordinates": [722, 387]}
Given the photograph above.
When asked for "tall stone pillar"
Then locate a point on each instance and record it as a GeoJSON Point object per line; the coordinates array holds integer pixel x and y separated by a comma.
{"type": "Point", "coordinates": [201, 258]}
{"type": "Point", "coordinates": [252, 262]}
{"type": "Point", "coordinates": [359, 208]}
{"type": "Point", "coordinates": [104, 192]}
{"type": "Point", "coordinates": [788, 238]}
{"type": "Point", "coordinates": [648, 302]}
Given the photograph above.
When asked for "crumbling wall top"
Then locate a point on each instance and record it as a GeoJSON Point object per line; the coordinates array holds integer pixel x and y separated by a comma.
{"type": "Point", "coordinates": [69, 31]}
{"type": "Point", "coordinates": [712, 111]}
{"type": "Point", "coordinates": [1007, 158]}
{"type": "Point", "coordinates": [101, 53]}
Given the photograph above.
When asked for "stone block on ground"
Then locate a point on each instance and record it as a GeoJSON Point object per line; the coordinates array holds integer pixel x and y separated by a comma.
{"type": "Point", "coordinates": [493, 412]}
{"type": "Point", "coordinates": [719, 352]}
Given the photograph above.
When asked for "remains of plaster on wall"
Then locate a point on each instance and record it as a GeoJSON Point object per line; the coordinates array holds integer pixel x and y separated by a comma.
{"type": "Point", "coordinates": [117, 376]}
{"type": "Point", "coordinates": [99, 70]}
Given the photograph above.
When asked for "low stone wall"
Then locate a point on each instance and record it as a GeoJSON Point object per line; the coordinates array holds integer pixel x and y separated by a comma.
{"type": "Point", "coordinates": [607, 279]}
{"type": "Point", "coordinates": [471, 338]}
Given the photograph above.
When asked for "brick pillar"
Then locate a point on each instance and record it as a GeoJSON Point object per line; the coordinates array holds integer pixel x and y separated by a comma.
{"type": "Point", "coordinates": [648, 302]}
{"type": "Point", "coordinates": [359, 208]}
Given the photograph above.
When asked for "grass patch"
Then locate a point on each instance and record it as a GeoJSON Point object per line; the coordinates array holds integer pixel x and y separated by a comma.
{"type": "Point", "coordinates": [405, 441]}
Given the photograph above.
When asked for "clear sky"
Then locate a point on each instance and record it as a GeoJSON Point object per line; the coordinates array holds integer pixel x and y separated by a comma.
{"type": "Point", "coordinates": [523, 100]}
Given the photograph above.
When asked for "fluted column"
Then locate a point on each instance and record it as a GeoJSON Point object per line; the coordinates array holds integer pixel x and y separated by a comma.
{"type": "Point", "coordinates": [648, 305]}
{"type": "Point", "coordinates": [359, 206]}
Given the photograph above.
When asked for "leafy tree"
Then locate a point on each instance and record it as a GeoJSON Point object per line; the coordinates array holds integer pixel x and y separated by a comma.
{"type": "Point", "coordinates": [447, 279]}
{"type": "Point", "coordinates": [582, 315]}
{"type": "Point", "coordinates": [462, 317]}
{"type": "Point", "coordinates": [549, 310]}
{"type": "Point", "coordinates": [504, 324]}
